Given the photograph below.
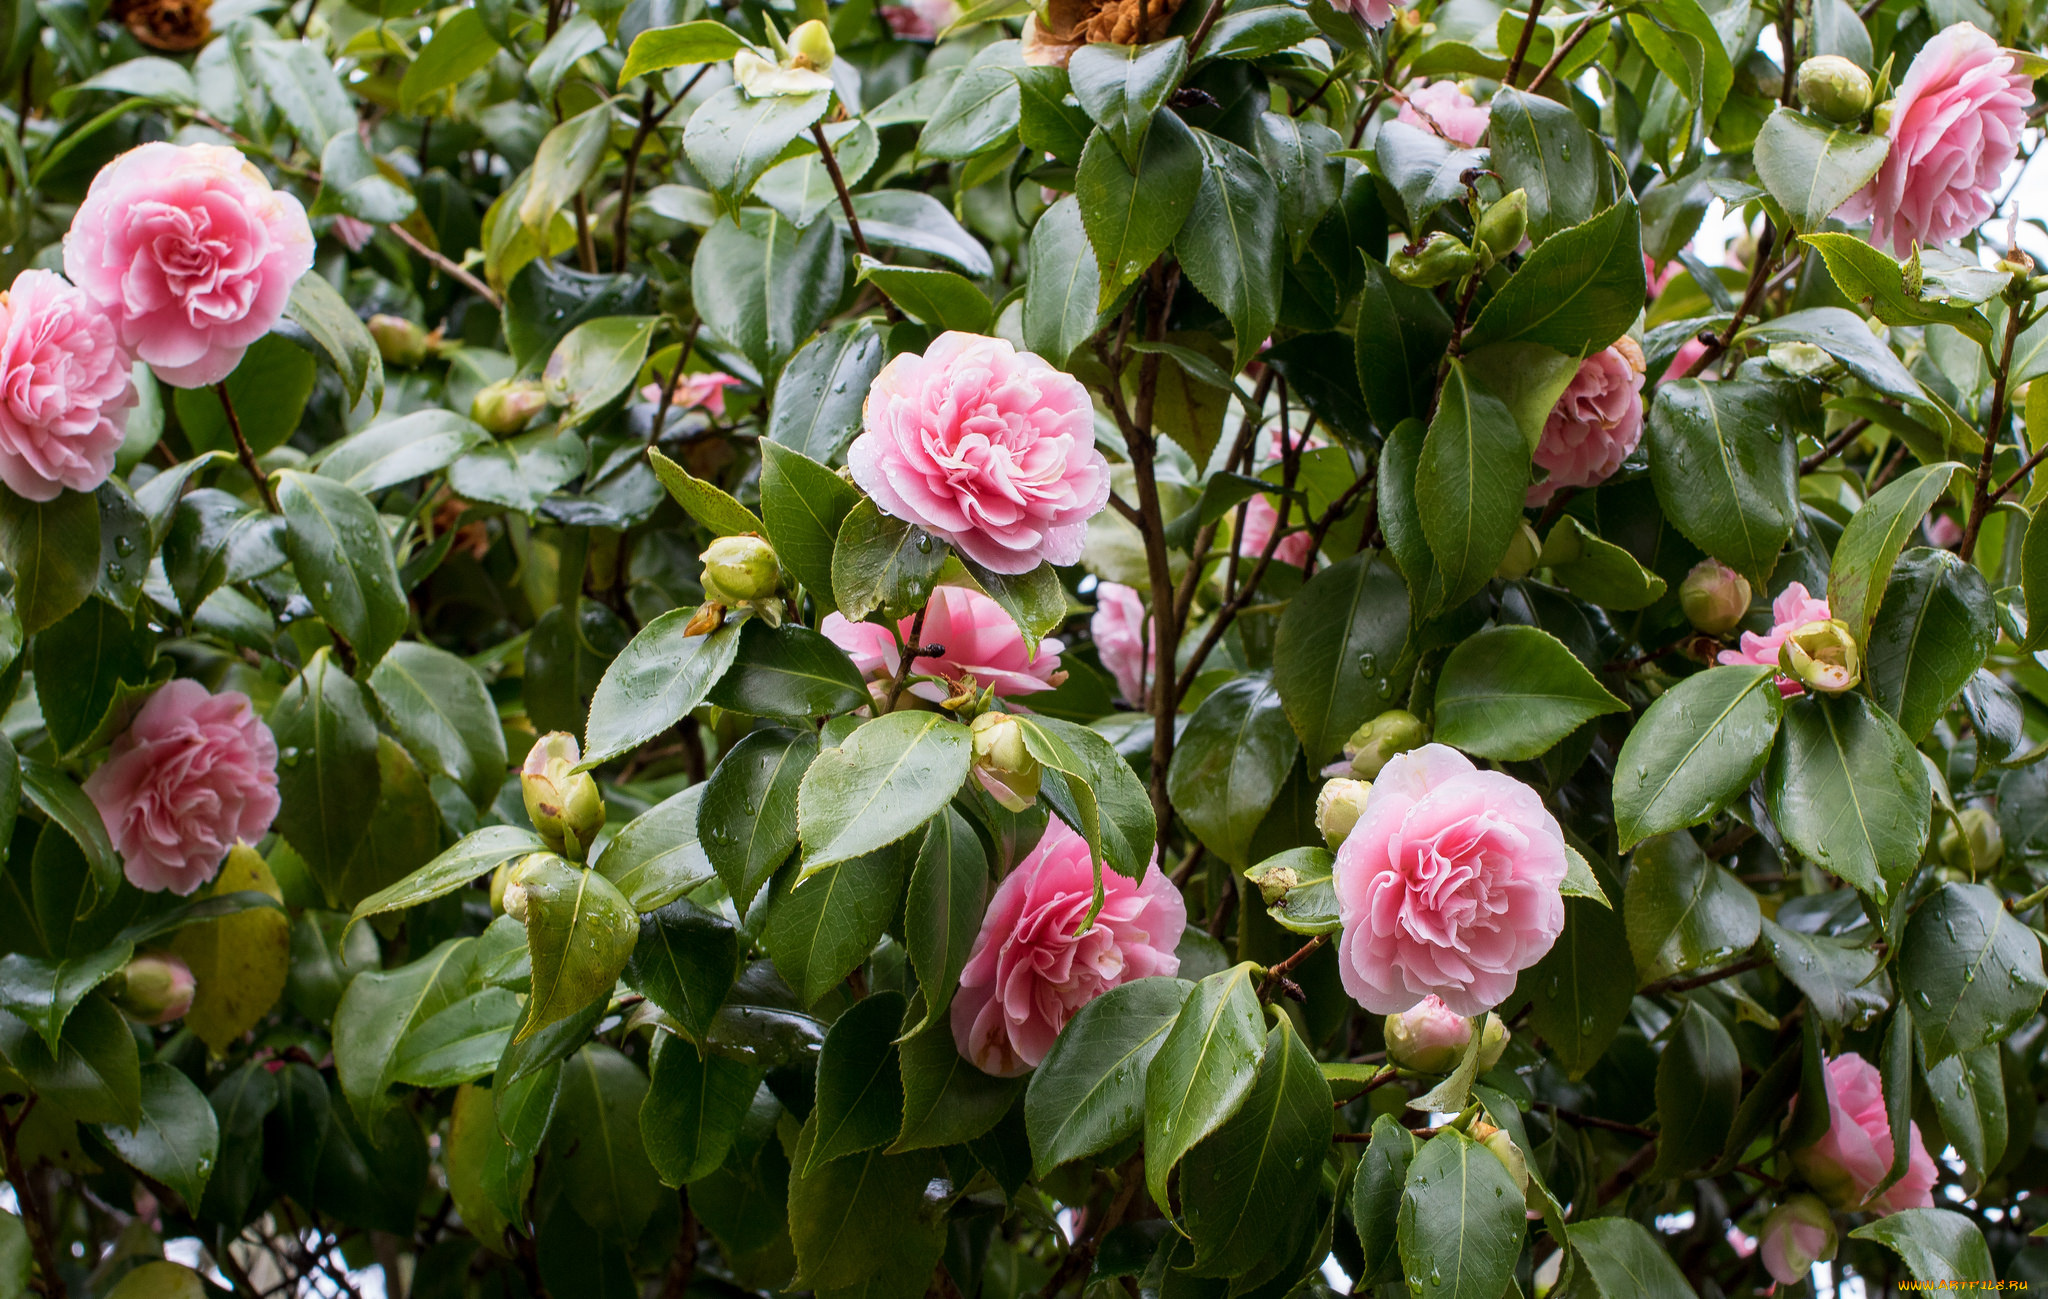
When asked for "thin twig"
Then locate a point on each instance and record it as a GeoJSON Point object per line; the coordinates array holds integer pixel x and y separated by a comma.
{"type": "Point", "coordinates": [1522, 45]}
{"type": "Point", "coordinates": [1982, 502]}
{"type": "Point", "coordinates": [1759, 273]}
{"type": "Point", "coordinates": [1687, 984]}
{"type": "Point", "coordinates": [448, 267]}
{"type": "Point", "coordinates": [33, 1215]}
{"type": "Point", "coordinates": [242, 450]}
{"type": "Point", "coordinates": [1276, 974]}
{"type": "Point", "coordinates": [1849, 434]}
{"type": "Point", "coordinates": [912, 651]}
{"type": "Point", "coordinates": [1565, 47]}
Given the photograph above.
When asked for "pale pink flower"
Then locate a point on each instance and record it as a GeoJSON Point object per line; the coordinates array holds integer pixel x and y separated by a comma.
{"type": "Point", "coordinates": [1594, 425]}
{"type": "Point", "coordinates": [1692, 349]}
{"type": "Point", "coordinates": [192, 252]}
{"type": "Point", "coordinates": [979, 641]}
{"type": "Point", "coordinates": [1373, 13]}
{"type": "Point", "coordinates": [1260, 517]}
{"type": "Point", "coordinates": [193, 774]}
{"type": "Point", "coordinates": [355, 235]}
{"type": "Point", "coordinates": [920, 20]}
{"type": "Point", "coordinates": [1032, 965]}
{"type": "Point", "coordinates": [1449, 884]}
{"type": "Point", "coordinates": [1792, 609]}
{"type": "Point", "coordinates": [704, 388]}
{"type": "Point", "coordinates": [1446, 108]}
{"type": "Point", "coordinates": [1659, 280]}
{"type": "Point", "coordinates": [64, 388]}
{"type": "Point", "coordinates": [1955, 128]}
{"type": "Point", "coordinates": [1943, 532]}
{"type": "Point", "coordinates": [1123, 639]}
{"type": "Point", "coordinates": [986, 447]}
{"type": "Point", "coordinates": [1854, 1153]}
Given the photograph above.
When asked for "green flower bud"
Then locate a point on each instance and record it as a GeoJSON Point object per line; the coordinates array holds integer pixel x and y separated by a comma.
{"type": "Point", "coordinates": [507, 406]}
{"type": "Point", "coordinates": [1797, 1234]}
{"type": "Point", "coordinates": [512, 889]}
{"type": "Point", "coordinates": [1428, 1037]}
{"type": "Point", "coordinates": [1504, 1149]}
{"type": "Point", "coordinates": [1974, 846]}
{"type": "Point", "coordinates": [564, 805]}
{"type": "Point", "coordinates": [1520, 560]}
{"type": "Point", "coordinates": [1881, 117]}
{"type": "Point", "coordinates": [810, 46]}
{"type": "Point", "coordinates": [1395, 731]}
{"type": "Point", "coordinates": [1823, 655]}
{"type": "Point", "coordinates": [1834, 87]}
{"type": "Point", "coordinates": [400, 342]}
{"type": "Point", "coordinates": [1714, 596]}
{"type": "Point", "coordinates": [154, 988]}
{"type": "Point", "coordinates": [1002, 762]}
{"type": "Point", "coordinates": [738, 570]}
{"type": "Point", "coordinates": [1438, 259]}
{"type": "Point", "coordinates": [1503, 225]}
{"type": "Point", "coordinates": [1338, 807]}
{"type": "Point", "coordinates": [1493, 1040]}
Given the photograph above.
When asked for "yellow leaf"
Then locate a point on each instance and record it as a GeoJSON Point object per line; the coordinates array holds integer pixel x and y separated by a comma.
{"type": "Point", "coordinates": [239, 962]}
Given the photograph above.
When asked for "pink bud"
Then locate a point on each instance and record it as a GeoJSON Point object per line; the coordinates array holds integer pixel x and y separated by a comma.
{"type": "Point", "coordinates": [156, 988]}
{"type": "Point", "coordinates": [1430, 1037]}
{"type": "Point", "coordinates": [1799, 1233]}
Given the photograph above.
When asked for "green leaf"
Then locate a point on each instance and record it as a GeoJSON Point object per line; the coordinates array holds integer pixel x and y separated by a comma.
{"type": "Point", "coordinates": [400, 450]}
{"type": "Point", "coordinates": [734, 137]}
{"type": "Point", "coordinates": [300, 79]}
{"type": "Point", "coordinates": [1230, 245]}
{"type": "Point", "coordinates": [1376, 1198]}
{"type": "Point", "coordinates": [801, 188]}
{"type": "Point", "coordinates": [1402, 334]}
{"type": "Point", "coordinates": [684, 962]}
{"type": "Point", "coordinates": [1461, 1220]}
{"type": "Point", "coordinates": [1258, 32]}
{"type": "Point", "coordinates": [342, 558]}
{"type": "Point", "coordinates": [1089, 1092]}
{"type": "Point", "coordinates": [1848, 791]}
{"type": "Point", "coordinates": [855, 1219]}
{"type": "Point", "coordinates": [328, 781]}
{"type": "Point", "coordinates": [1510, 693]}
{"type": "Point", "coordinates": [1812, 167]}
{"type": "Point", "coordinates": [1624, 1261]}
{"type": "Point", "coordinates": [1845, 336]}
{"type": "Point", "coordinates": [1036, 600]}
{"type": "Point", "coordinates": [979, 113]}
{"type": "Point", "coordinates": [1597, 570]}
{"type": "Point", "coordinates": [1469, 484]}
{"type": "Point", "coordinates": [1874, 281]}
{"type": "Point", "coordinates": [748, 820]}
{"type": "Point", "coordinates": [1931, 634]}
{"type": "Point", "coordinates": [1694, 751]}
{"type": "Point", "coordinates": [217, 538]}
{"type": "Point", "coordinates": [596, 1134]}
{"type": "Point", "coordinates": [519, 472]}
{"type": "Point", "coordinates": [594, 364]}
{"type": "Point", "coordinates": [1577, 292]}
{"type": "Point", "coordinates": [95, 1074]}
{"type": "Point", "coordinates": [1583, 986]}
{"type": "Point", "coordinates": [569, 157]}
{"type": "Point", "coordinates": [790, 672]}
{"type": "Point", "coordinates": [1299, 894]}
{"type": "Point", "coordinates": [860, 1084]}
{"type": "Point", "coordinates": [1424, 168]}
{"type": "Point", "coordinates": [1093, 772]}
{"type": "Point", "coordinates": [1046, 122]}
{"type": "Point", "coordinates": [762, 285]}
{"type": "Point", "coordinates": [1230, 763]}
{"type": "Point", "coordinates": [1296, 153]}
{"type": "Point", "coordinates": [659, 677]}
{"type": "Point", "coordinates": [1939, 1246]}
{"type": "Point", "coordinates": [694, 1107]}
{"type": "Point", "coordinates": [1132, 215]}
{"type": "Point", "coordinates": [1342, 644]}
{"type": "Point", "coordinates": [57, 797]}
{"type": "Point", "coordinates": [475, 854]}
{"type": "Point", "coordinates": [438, 707]}
{"type": "Point", "coordinates": [883, 563]}
{"type": "Point", "coordinates": [942, 913]}
{"type": "Point", "coordinates": [1969, 1093]}
{"type": "Point", "coordinates": [42, 993]}
{"type": "Point", "coordinates": [1062, 294]}
{"type": "Point", "coordinates": [660, 48]}
{"type": "Point", "coordinates": [1538, 145]}
{"type": "Point", "coordinates": [822, 929]}
{"type": "Point", "coordinates": [946, 1100]}
{"type": "Point", "coordinates": [1122, 86]}
{"type": "Point", "coordinates": [580, 930]}
{"type": "Point", "coordinates": [931, 296]}
{"type": "Point", "coordinates": [889, 778]}
{"type": "Point", "coordinates": [710, 505]}
{"type": "Point", "coordinates": [1725, 469]}
{"type": "Point", "coordinates": [656, 858]}
{"type": "Point", "coordinates": [51, 548]}
{"type": "Point", "coordinates": [1699, 1083]}
{"type": "Point", "coordinates": [803, 505]}
{"type": "Point", "coordinates": [817, 406]}
{"type": "Point", "coordinates": [380, 1007]}
{"type": "Point", "coordinates": [1203, 1071]}
{"type": "Point", "coordinates": [178, 1139]}
{"type": "Point", "coordinates": [1683, 911]}
{"type": "Point", "coordinates": [353, 184]}
{"type": "Point", "coordinates": [916, 222]}
{"type": "Point", "coordinates": [269, 389]}
{"type": "Point", "coordinates": [318, 308]}
{"type": "Point", "coordinates": [1969, 972]}
{"type": "Point", "coordinates": [91, 671]}
{"type": "Point", "coordinates": [1833, 973]}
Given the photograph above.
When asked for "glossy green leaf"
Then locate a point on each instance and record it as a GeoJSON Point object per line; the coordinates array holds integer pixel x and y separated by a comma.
{"type": "Point", "coordinates": [1931, 634]}
{"type": "Point", "coordinates": [1812, 167]}
{"type": "Point", "coordinates": [823, 928]}
{"type": "Point", "coordinates": [1402, 334]}
{"type": "Point", "coordinates": [1230, 246]}
{"type": "Point", "coordinates": [475, 854]}
{"type": "Point", "coordinates": [1583, 986]}
{"type": "Point", "coordinates": [1848, 791]}
{"type": "Point", "coordinates": [52, 550]}
{"type": "Point", "coordinates": [580, 930]}
{"type": "Point", "coordinates": [1062, 296]}
{"type": "Point", "coordinates": [860, 1083]}
{"type": "Point", "coordinates": [883, 563]}
{"type": "Point", "coordinates": [1623, 1260]}
{"type": "Point", "coordinates": [328, 780]}
{"type": "Point", "coordinates": [1577, 292]}
{"type": "Point", "coordinates": [1510, 693]}
{"type": "Point", "coordinates": [1694, 751]}
{"type": "Point", "coordinates": [1725, 469]}
{"type": "Point", "coordinates": [1089, 1092]}
{"type": "Point", "coordinates": [734, 137]}
{"type": "Point", "coordinates": [942, 912]}
{"type": "Point", "coordinates": [660, 48]}
{"type": "Point", "coordinates": [1938, 1245]}
{"type": "Point", "coordinates": [1376, 1198]}
{"type": "Point", "coordinates": [1683, 911]}
{"type": "Point", "coordinates": [1833, 973]}
{"type": "Point", "coordinates": [657, 857]}
{"type": "Point", "coordinates": [660, 676]}
{"type": "Point", "coordinates": [1538, 145]}
{"type": "Point", "coordinates": [889, 778]}
{"type": "Point", "coordinates": [684, 962]}
{"type": "Point", "coordinates": [1342, 645]}
{"type": "Point", "coordinates": [1461, 1220]}
{"type": "Point", "coordinates": [1699, 1083]}
{"type": "Point", "coordinates": [1230, 763]}
{"type": "Point", "coordinates": [1202, 1072]}
{"type": "Point", "coordinates": [694, 1107]}
{"type": "Point", "coordinates": [1122, 86]}
{"type": "Point", "coordinates": [342, 557]}
{"type": "Point", "coordinates": [747, 822]}
{"type": "Point", "coordinates": [946, 1100]}
{"type": "Point", "coordinates": [1131, 215]}
{"type": "Point", "coordinates": [803, 505]}
{"type": "Point", "coordinates": [605, 1173]}
{"type": "Point", "coordinates": [94, 1076]}
{"type": "Point", "coordinates": [818, 401]}
{"type": "Point", "coordinates": [1469, 484]}
{"type": "Point", "coordinates": [1969, 972]}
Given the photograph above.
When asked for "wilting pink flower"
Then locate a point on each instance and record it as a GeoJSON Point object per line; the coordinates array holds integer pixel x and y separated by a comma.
{"type": "Point", "coordinates": [1692, 349]}
{"type": "Point", "coordinates": [355, 235]}
{"type": "Point", "coordinates": [1260, 518]}
{"type": "Point", "coordinates": [979, 641]}
{"type": "Point", "coordinates": [1446, 108]}
{"type": "Point", "coordinates": [985, 446]}
{"type": "Point", "coordinates": [920, 20]}
{"type": "Point", "coordinates": [1793, 609]}
{"type": "Point", "coordinates": [64, 388]}
{"type": "Point", "coordinates": [704, 388]}
{"type": "Point", "coordinates": [1797, 1234]}
{"type": "Point", "coordinates": [1447, 885]}
{"type": "Point", "coordinates": [1955, 128]}
{"type": "Point", "coordinates": [193, 773]}
{"type": "Point", "coordinates": [1123, 639]}
{"type": "Point", "coordinates": [192, 252]}
{"type": "Point", "coordinates": [1030, 969]}
{"type": "Point", "coordinates": [1595, 424]}
{"type": "Point", "coordinates": [1854, 1154]}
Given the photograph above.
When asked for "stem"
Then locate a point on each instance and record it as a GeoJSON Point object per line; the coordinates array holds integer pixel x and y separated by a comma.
{"type": "Point", "coordinates": [1081, 1256]}
{"type": "Point", "coordinates": [1277, 974]}
{"type": "Point", "coordinates": [447, 267]}
{"type": "Point", "coordinates": [1982, 502]}
{"type": "Point", "coordinates": [860, 242]}
{"type": "Point", "coordinates": [1569, 44]}
{"type": "Point", "coordinates": [32, 1214]}
{"type": "Point", "coordinates": [247, 456]}
{"type": "Point", "coordinates": [648, 121]}
{"type": "Point", "coordinates": [910, 657]}
{"type": "Point", "coordinates": [668, 391]}
{"type": "Point", "coordinates": [586, 250]}
{"type": "Point", "coordinates": [1690, 982]}
{"type": "Point", "coordinates": [1849, 434]}
{"type": "Point", "coordinates": [1166, 631]}
{"type": "Point", "coordinates": [1605, 1125]}
{"type": "Point", "coordinates": [1310, 102]}
{"type": "Point", "coordinates": [1522, 45]}
{"type": "Point", "coordinates": [1758, 274]}
{"type": "Point", "coordinates": [1209, 18]}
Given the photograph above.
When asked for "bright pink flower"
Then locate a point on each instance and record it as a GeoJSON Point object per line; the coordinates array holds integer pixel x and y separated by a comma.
{"type": "Point", "coordinates": [1854, 1154]}
{"type": "Point", "coordinates": [64, 388]}
{"type": "Point", "coordinates": [192, 252]}
{"type": "Point", "coordinates": [1692, 349]}
{"type": "Point", "coordinates": [704, 388]}
{"type": "Point", "coordinates": [1955, 128]}
{"type": "Point", "coordinates": [1447, 885]}
{"type": "Point", "coordinates": [1448, 109]}
{"type": "Point", "coordinates": [354, 234]}
{"type": "Point", "coordinates": [1594, 425]}
{"type": "Point", "coordinates": [1123, 639]}
{"type": "Point", "coordinates": [1373, 13]}
{"type": "Point", "coordinates": [193, 773]}
{"type": "Point", "coordinates": [1793, 609]}
{"type": "Point", "coordinates": [986, 447]}
{"type": "Point", "coordinates": [979, 640]}
{"type": "Point", "coordinates": [1032, 966]}
{"type": "Point", "coordinates": [1260, 516]}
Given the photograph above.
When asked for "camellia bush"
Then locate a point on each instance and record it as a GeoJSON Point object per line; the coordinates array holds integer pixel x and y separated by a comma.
{"type": "Point", "coordinates": [1184, 650]}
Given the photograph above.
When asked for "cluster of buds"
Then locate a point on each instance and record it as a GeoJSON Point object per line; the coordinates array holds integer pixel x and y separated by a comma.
{"type": "Point", "coordinates": [1372, 745]}
{"type": "Point", "coordinates": [1002, 761]}
{"type": "Point", "coordinates": [797, 69]}
{"type": "Point", "coordinates": [1715, 597]}
{"type": "Point", "coordinates": [1822, 655]}
{"type": "Point", "coordinates": [402, 343]}
{"type": "Point", "coordinates": [154, 988]}
{"type": "Point", "coordinates": [1430, 1037]}
{"type": "Point", "coordinates": [563, 803]}
{"type": "Point", "coordinates": [507, 406]}
{"type": "Point", "coordinates": [741, 574]}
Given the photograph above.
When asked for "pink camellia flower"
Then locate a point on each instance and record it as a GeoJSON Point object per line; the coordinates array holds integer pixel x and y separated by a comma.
{"type": "Point", "coordinates": [1030, 969]}
{"type": "Point", "coordinates": [64, 388]}
{"type": "Point", "coordinates": [1797, 1234]}
{"type": "Point", "coordinates": [1854, 1154]}
{"type": "Point", "coordinates": [1943, 532]}
{"type": "Point", "coordinates": [1373, 13]}
{"type": "Point", "coordinates": [704, 388]}
{"type": "Point", "coordinates": [1447, 885]}
{"type": "Point", "coordinates": [1955, 128]}
{"type": "Point", "coordinates": [193, 254]}
{"type": "Point", "coordinates": [1260, 517]}
{"type": "Point", "coordinates": [979, 640]}
{"type": "Point", "coordinates": [1123, 639]}
{"type": "Point", "coordinates": [987, 447]}
{"type": "Point", "coordinates": [1446, 108]}
{"type": "Point", "coordinates": [920, 20]}
{"type": "Point", "coordinates": [193, 773]}
{"type": "Point", "coordinates": [1691, 350]}
{"type": "Point", "coordinates": [1595, 424]}
{"type": "Point", "coordinates": [1792, 609]}
{"type": "Point", "coordinates": [354, 234]}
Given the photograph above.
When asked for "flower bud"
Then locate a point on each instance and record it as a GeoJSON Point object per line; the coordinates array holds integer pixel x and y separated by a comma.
{"type": "Point", "coordinates": [505, 407]}
{"type": "Point", "coordinates": [1834, 87]}
{"type": "Point", "coordinates": [1504, 1149]}
{"type": "Point", "coordinates": [1438, 259]}
{"type": "Point", "coordinates": [1338, 807]}
{"type": "Point", "coordinates": [401, 342]}
{"type": "Point", "coordinates": [1520, 560]}
{"type": "Point", "coordinates": [154, 988]}
{"type": "Point", "coordinates": [810, 46]}
{"type": "Point", "coordinates": [1493, 1039]}
{"type": "Point", "coordinates": [1797, 1234]}
{"type": "Point", "coordinates": [1395, 731]}
{"type": "Point", "coordinates": [1002, 762]}
{"type": "Point", "coordinates": [1429, 1037]}
{"type": "Point", "coordinates": [1503, 225]}
{"type": "Point", "coordinates": [1823, 655]}
{"type": "Point", "coordinates": [740, 569]}
{"type": "Point", "coordinates": [1881, 117]}
{"type": "Point", "coordinates": [1714, 596]}
{"type": "Point", "coordinates": [1973, 843]}
{"type": "Point", "coordinates": [563, 803]}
